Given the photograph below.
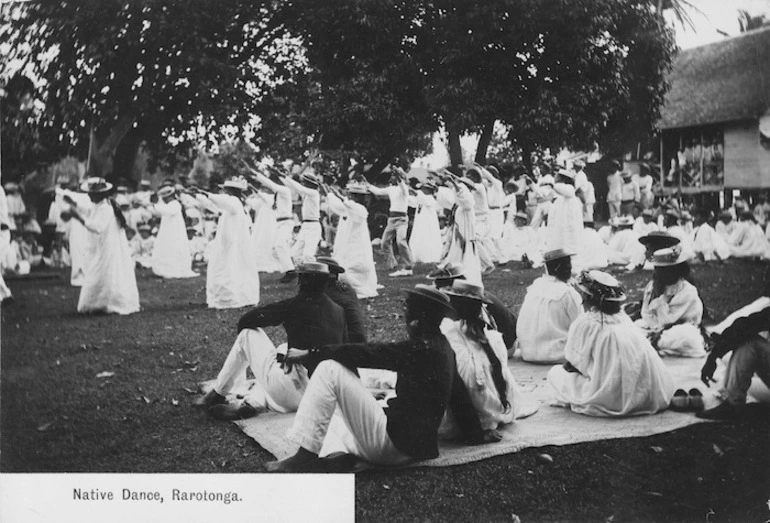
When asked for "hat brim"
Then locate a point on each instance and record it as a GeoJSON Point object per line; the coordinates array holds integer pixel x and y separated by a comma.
{"type": "Point", "coordinates": [410, 293]}
{"type": "Point", "coordinates": [664, 241]}
{"type": "Point", "coordinates": [85, 188]}
{"type": "Point", "coordinates": [482, 298]}
{"type": "Point", "coordinates": [584, 290]}
{"type": "Point", "coordinates": [681, 259]}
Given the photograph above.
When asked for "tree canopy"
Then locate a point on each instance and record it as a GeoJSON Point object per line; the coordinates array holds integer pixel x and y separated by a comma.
{"type": "Point", "coordinates": [152, 70]}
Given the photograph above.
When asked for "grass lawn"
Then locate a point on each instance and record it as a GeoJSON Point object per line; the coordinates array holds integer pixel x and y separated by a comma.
{"type": "Point", "coordinates": [56, 415]}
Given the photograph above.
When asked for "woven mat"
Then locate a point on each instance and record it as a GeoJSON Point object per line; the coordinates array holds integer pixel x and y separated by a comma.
{"type": "Point", "coordinates": [547, 425]}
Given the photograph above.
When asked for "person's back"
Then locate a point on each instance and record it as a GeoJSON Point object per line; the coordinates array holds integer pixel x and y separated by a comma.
{"type": "Point", "coordinates": [549, 308]}
{"type": "Point", "coordinates": [611, 369]}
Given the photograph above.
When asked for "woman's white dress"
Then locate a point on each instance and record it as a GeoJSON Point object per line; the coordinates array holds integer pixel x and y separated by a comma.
{"type": "Point", "coordinates": [620, 372]}
{"type": "Point", "coordinates": [353, 246]}
{"type": "Point", "coordinates": [232, 279]}
{"type": "Point", "coordinates": [110, 283]}
{"type": "Point", "coordinates": [171, 250]}
{"type": "Point", "coordinates": [263, 231]}
{"type": "Point", "coordinates": [475, 369]}
{"type": "Point", "coordinates": [461, 248]}
{"type": "Point", "coordinates": [549, 309]}
{"type": "Point", "coordinates": [425, 241]}
{"type": "Point", "coordinates": [676, 314]}
{"type": "Point", "coordinates": [78, 236]}
{"type": "Point", "coordinates": [748, 241]}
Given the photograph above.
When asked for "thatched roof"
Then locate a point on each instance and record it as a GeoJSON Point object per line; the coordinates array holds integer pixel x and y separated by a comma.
{"type": "Point", "coordinates": [724, 81]}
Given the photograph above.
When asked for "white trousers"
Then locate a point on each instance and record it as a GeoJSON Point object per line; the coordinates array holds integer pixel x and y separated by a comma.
{"type": "Point", "coordinates": [306, 245]}
{"type": "Point", "coordinates": [334, 386]}
{"type": "Point", "coordinates": [274, 389]}
{"type": "Point", "coordinates": [282, 245]}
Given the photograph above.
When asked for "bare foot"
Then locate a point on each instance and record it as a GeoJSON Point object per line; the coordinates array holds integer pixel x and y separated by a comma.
{"type": "Point", "coordinates": [302, 461]}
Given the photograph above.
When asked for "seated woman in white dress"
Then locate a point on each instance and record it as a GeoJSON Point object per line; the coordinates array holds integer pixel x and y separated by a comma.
{"type": "Point", "coordinates": [549, 308]}
{"type": "Point", "coordinates": [748, 240]}
{"type": "Point", "coordinates": [672, 310]}
{"type": "Point", "coordinates": [481, 355]}
{"type": "Point", "coordinates": [611, 368]}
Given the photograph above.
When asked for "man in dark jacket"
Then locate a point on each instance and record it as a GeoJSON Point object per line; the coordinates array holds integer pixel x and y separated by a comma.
{"type": "Point", "coordinates": [343, 295]}
{"type": "Point", "coordinates": [407, 429]}
{"type": "Point", "coordinates": [310, 318]}
{"type": "Point", "coordinates": [745, 333]}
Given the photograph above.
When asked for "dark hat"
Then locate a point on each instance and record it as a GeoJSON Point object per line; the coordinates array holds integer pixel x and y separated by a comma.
{"type": "Point", "coordinates": [466, 289]}
{"type": "Point", "coordinates": [659, 240]}
{"type": "Point", "coordinates": [601, 285]}
{"type": "Point", "coordinates": [449, 272]}
{"type": "Point", "coordinates": [430, 296]}
{"type": "Point", "coordinates": [334, 266]}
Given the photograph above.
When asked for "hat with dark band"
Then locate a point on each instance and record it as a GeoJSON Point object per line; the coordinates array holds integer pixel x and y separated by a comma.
{"type": "Point", "coordinates": [466, 289]}
{"type": "Point", "coordinates": [96, 185]}
{"type": "Point", "coordinates": [334, 266]}
{"type": "Point", "coordinates": [449, 272]}
{"type": "Point", "coordinates": [668, 257]}
{"type": "Point", "coordinates": [312, 268]}
{"type": "Point", "coordinates": [556, 254]}
{"type": "Point", "coordinates": [659, 240]}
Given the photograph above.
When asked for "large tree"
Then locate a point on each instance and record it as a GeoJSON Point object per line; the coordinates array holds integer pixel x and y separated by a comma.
{"type": "Point", "coordinates": [555, 73]}
{"type": "Point", "coordinates": [151, 71]}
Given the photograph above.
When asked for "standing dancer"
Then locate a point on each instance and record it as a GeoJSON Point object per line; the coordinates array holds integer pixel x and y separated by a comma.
{"type": "Point", "coordinates": [232, 281]}
{"type": "Point", "coordinates": [262, 202]}
{"type": "Point", "coordinates": [171, 254]}
{"type": "Point", "coordinates": [425, 242]}
{"type": "Point", "coordinates": [78, 235]}
{"type": "Point", "coordinates": [310, 233]}
{"type": "Point", "coordinates": [565, 218]}
{"type": "Point", "coordinates": [284, 219]}
{"type": "Point", "coordinates": [483, 241]}
{"type": "Point", "coordinates": [110, 283]}
{"type": "Point", "coordinates": [398, 223]}
{"type": "Point", "coordinates": [353, 244]}
{"type": "Point", "coordinates": [461, 247]}
{"type": "Point", "coordinates": [495, 197]}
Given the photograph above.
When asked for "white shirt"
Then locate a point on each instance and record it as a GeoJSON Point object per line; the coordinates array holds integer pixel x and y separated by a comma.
{"type": "Point", "coordinates": [398, 195]}
{"type": "Point", "coordinates": [311, 200]}
{"type": "Point", "coordinates": [549, 309]}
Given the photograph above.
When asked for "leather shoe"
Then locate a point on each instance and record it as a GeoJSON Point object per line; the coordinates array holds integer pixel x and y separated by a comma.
{"type": "Point", "coordinates": [212, 397]}
{"type": "Point", "coordinates": [230, 412]}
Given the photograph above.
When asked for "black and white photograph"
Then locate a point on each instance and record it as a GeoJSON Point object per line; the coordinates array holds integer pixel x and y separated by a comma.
{"type": "Point", "coordinates": [384, 260]}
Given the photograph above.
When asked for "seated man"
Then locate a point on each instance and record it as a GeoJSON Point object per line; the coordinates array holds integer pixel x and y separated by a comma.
{"type": "Point", "coordinates": [745, 333]}
{"type": "Point", "coordinates": [549, 308]}
{"type": "Point", "coordinates": [310, 318]}
{"type": "Point", "coordinates": [500, 317]}
{"type": "Point", "coordinates": [345, 296]}
{"type": "Point", "coordinates": [427, 385]}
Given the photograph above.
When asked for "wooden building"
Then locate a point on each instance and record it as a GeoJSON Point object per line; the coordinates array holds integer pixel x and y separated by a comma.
{"type": "Point", "coordinates": [715, 122]}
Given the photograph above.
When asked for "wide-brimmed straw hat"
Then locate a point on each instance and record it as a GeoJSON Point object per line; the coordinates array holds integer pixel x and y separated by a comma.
{"type": "Point", "coordinates": [567, 173]}
{"type": "Point", "coordinates": [648, 212]}
{"type": "Point", "coordinates": [622, 221]}
{"type": "Point", "coordinates": [522, 215]}
{"type": "Point", "coordinates": [430, 296]}
{"type": "Point", "coordinates": [555, 254]}
{"type": "Point", "coordinates": [578, 164]}
{"type": "Point", "coordinates": [449, 272]}
{"type": "Point", "coordinates": [546, 180]}
{"type": "Point", "coordinates": [659, 240]}
{"type": "Point", "coordinates": [237, 182]}
{"type": "Point", "coordinates": [166, 191]}
{"type": "Point", "coordinates": [312, 268]}
{"type": "Point", "coordinates": [601, 285]}
{"type": "Point", "coordinates": [334, 266]}
{"type": "Point", "coordinates": [310, 178]}
{"type": "Point", "coordinates": [669, 257]}
{"type": "Point", "coordinates": [626, 175]}
{"type": "Point", "coordinates": [466, 289]}
{"type": "Point", "coordinates": [95, 185]}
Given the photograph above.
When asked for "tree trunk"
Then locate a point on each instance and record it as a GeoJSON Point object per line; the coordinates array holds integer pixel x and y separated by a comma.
{"type": "Point", "coordinates": [526, 155]}
{"type": "Point", "coordinates": [125, 157]}
{"type": "Point", "coordinates": [455, 148]}
{"type": "Point", "coordinates": [100, 162]}
{"type": "Point", "coordinates": [484, 140]}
